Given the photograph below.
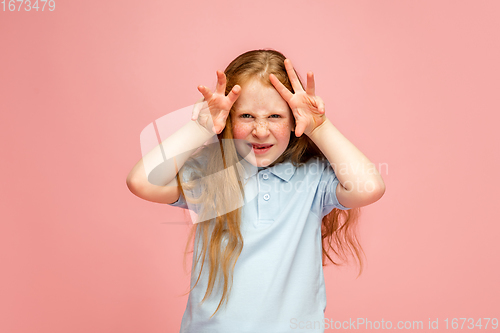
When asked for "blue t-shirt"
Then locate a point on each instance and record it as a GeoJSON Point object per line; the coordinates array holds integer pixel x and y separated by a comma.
{"type": "Point", "coordinates": [278, 284]}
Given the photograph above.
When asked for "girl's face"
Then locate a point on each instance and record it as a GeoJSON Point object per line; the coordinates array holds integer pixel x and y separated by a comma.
{"type": "Point", "coordinates": [262, 118]}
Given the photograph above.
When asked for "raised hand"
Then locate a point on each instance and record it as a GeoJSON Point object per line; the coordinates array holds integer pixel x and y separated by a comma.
{"type": "Point", "coordinates": [308, 109]}
{"type": "Point", "coordinates": [213, 110]}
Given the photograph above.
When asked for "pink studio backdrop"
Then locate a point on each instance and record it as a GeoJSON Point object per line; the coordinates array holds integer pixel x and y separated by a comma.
{"type": "Point", "coordinates": [413, 84]}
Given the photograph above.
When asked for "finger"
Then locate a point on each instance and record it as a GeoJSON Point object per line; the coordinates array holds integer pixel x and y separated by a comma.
{"type": "Point", "coordinates": [321, 105]}
{"type": "Point", "coordinates": [310, 84]}
{"type": "Point", "coordinates": [293, 76]}
{"type": "Point", "coordinates": [196, 111]}
{"type": "Point", "coordinates": [234, 94]}
{"type": "Point", "coordinates": [207, 94]}
{"type": "Point", "coordinates": [299, 129]}
{"type": "Point", "coordinates": [221, 83]}
{"type": "Point", "coordinates": [220, 122]}
{"type": "Point", "coordinates": [282, 90]}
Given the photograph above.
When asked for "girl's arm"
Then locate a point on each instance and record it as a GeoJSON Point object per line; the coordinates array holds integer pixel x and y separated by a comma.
{"type": "Point", "coordinates": [209, 118]}
{"type": "Point", "coordinates": [161, 184]}
{"type": "Point", "coordinates": [361, 181]}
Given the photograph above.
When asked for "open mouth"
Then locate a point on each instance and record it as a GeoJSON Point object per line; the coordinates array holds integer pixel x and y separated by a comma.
{"type": "Point", "coordinates": [260, 146]}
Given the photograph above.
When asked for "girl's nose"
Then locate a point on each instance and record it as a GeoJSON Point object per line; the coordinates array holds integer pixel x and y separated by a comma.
{"type": "Point", "coordinates": [261, 128]}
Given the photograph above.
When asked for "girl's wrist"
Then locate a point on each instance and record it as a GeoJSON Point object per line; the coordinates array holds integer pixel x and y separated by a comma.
{"type": "Point", "coordinates": [202, 130]}
{"type": "Point", "coordinates": [316, 132]}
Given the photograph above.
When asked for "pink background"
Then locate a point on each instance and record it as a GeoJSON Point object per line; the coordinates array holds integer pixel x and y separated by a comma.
{"type": "Point", "coordinates": [413, 84]}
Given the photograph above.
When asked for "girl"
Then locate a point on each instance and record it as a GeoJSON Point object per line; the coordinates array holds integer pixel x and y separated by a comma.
{"type": "Point", "coordinates": [276, 194]}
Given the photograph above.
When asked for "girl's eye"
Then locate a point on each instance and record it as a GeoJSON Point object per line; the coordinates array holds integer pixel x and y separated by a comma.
{"type": "Point", "coordinates": [246, 115]}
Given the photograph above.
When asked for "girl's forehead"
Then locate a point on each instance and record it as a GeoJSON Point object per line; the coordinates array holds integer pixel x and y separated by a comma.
{"type": "Point", "coordinates": [255, 95]}
{"type": "Point", "coordinates": [255, 84]}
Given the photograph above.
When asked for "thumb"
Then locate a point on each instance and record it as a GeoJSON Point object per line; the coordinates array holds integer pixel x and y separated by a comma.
{"type": "Point", "coordinates": [299, 129]}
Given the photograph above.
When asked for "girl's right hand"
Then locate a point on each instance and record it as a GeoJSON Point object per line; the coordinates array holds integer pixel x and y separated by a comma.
{"type": "Point", "coordinates": [212, 112]}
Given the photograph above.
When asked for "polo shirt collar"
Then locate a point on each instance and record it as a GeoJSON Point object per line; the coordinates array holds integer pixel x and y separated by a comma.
{"type": "Point", "coordinates": [283, 170]}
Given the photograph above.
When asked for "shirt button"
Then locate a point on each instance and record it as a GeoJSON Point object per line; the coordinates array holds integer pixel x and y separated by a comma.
{"type": "Point", "coordinates": [266, 196]}
{"type": "Point", "coordinates": [265, 176]}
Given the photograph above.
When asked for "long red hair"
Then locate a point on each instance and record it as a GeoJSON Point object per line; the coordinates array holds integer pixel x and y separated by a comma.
{"type": "Point", "coordinates": [220, 240]}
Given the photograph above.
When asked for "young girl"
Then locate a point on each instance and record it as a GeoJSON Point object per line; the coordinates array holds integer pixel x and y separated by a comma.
{"type": "Point", "coordinates": [279, 190]}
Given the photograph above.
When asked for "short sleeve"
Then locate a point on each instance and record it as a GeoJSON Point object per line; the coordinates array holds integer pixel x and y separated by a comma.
{"type": "Point", "coordinates": [181, 202]}
{"type": "Point", "coordinates": [195, 192]}
{"type": "Point", "coordinates": [328, 190]}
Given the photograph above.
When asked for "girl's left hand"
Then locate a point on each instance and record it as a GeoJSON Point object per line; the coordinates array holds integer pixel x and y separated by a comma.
{"type": "Point", "coordinates": [308, 109]}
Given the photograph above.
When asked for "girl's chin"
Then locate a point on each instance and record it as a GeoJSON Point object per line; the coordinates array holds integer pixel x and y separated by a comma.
{"type": "Point", "coordinates": [258, 162]}
{"type": "Point", "coordinates": [253, 159]}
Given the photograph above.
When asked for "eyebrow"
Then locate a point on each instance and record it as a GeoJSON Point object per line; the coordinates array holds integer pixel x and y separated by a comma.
{"type": "Point", "coordinates": [273, 112]}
